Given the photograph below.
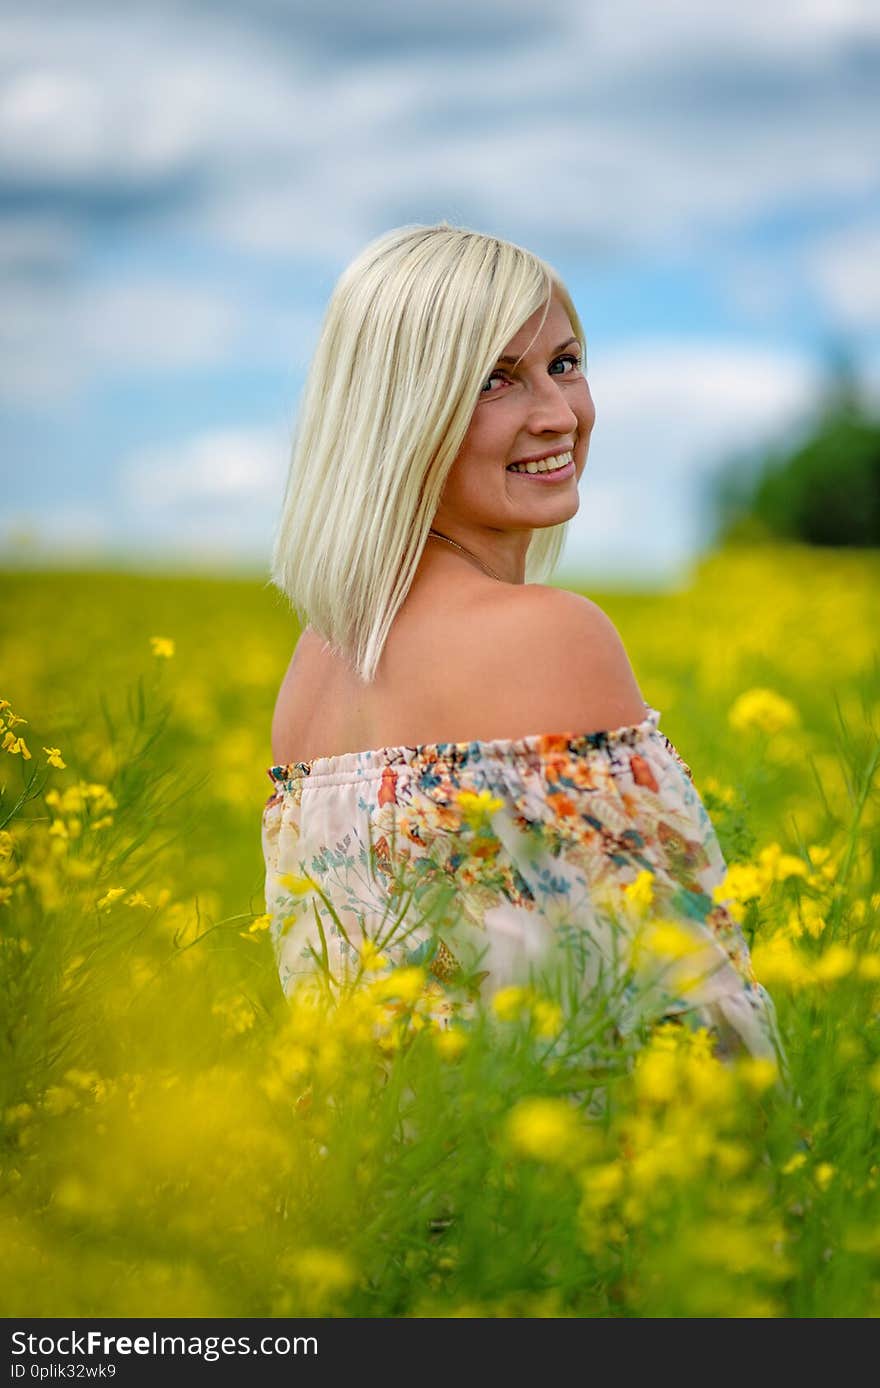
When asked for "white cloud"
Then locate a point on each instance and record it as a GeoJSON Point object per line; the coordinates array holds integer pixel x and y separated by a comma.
{"type": "Point", "coordinates": [692, 399]}
{"type": "Point", "coordinates": [226, 465]}
{"type": "Point", "coordinates": [37, 243]}
{"type": "Point", "coordinates": [157, 323]}
{"type": "Point", "coordinates": [212, 499]}
{"type": "Point", "coordinates": [56, 338]}
{"type": "Point", "coordinates": [837, 273]}
{"type": "Point", "coordinates": [634, 35]}
{"type": "Point", "coordinates": [680, 118]}
{"type": "Point", "coordinates": [668, 412]}
{"type": "Point", "coordinates": [237, 469]}
{"type": "Point", "coordinates": [845, 268]}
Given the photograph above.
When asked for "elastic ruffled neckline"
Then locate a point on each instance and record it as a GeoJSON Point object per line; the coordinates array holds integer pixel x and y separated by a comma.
{"type": "Point", "coordinates": [374, 761]}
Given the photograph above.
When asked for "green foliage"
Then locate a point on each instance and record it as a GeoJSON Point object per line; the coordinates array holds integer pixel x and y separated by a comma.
{"type": "Point", "coordinates": [824, 490]}
{"type": "Point", "coordinates": [177, 1138]}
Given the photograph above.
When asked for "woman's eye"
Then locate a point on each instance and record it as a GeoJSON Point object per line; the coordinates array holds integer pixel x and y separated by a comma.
{"type": "Point", "coordinates": [574, 362]}
{"type": "Point", "coordinates": [570, 358]}
{"type": "Point", "coordinates": [488, 381]}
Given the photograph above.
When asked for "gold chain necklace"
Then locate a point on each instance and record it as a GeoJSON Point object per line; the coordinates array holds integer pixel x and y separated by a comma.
{"type": "Point", "coordinates": [476, 559]}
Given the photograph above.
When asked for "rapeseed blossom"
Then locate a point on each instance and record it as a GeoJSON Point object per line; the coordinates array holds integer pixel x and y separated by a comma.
{"type": "Point", "coordinates": [762, 710]}
{"type": "Point", "coordinates": [511, 1002]}
{"type": "Point", "coordinates": [639, 894]}
{"type": "Point", "coordinates": [295, 884]}
{"type": "Point", "coordinates": [163, 647]}
{"type": "Point", "coordinates": [450, 1042]}
{"type": "Point", "coordinates": [356, 1150]}
{"type": "Point", "coordinates": [517, 1000]}
{"type": "Point", "coordinates": [546, 1130]}
{"type": "Point", "coordinates": [111, 895]}
{"type": "Point", "coordinates": [478, 807]}
{"type": "Point", "coordinates": [15, 745]}
{"type": "Point", "coordinates": [372, 959]}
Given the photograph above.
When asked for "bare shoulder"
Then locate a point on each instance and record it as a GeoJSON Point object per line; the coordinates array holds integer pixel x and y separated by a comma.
{"type": "Point", "coordinates": [568, 660]}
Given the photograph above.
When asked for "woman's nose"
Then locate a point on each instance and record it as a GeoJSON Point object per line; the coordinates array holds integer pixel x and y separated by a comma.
{"type": "Point", "coordinates": [550, 411]}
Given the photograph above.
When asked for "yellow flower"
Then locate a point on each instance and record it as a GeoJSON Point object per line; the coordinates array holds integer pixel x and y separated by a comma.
{"type": "Point", "coordinates": [824, 1174]}
{"type": "Point", "coordinates": [16, 745]}
{"type": "Point", "coordinates": [812, 918]}
{"type": "Point", "coordinates": [742, 882]}
{"type": "Point", "coordinates": [545, 1129]}
{"type": "Point", "coordinates": [371, 958]}
{"type": "Point", "coordinates": [777, 960]}
{"type": "Point", "coordinates": [601, 1185]}
{"type": "Point", "coordinates": [726, 794]}
{"type": "Point", "coordinates": [260, 923]}
{"type": "Point", "coordinates": [656, 1076]}
{"type": "Point", "coordinates": [758, 1072]}
{"type": "Point", "coordinates": [640, 892]}
{"type": "Point", "coordinates": [297, 886]}
{"type": "Point", "coordinates": [837, 961]}
{"type": "Point", "coordinates": [137, 899]}
{"type": "Point", "coordinates": [405, 984]}
{"type": "Point", "coordinates": [450, 1042]}
{"type": "Point", "coordinates": [664, 939]}
{"type": "Point", "coordinates": [779, 866]}
{"type": "Point", "coordinates": [162, 646]}
{"type": "Point", "coordinates": [547, 1018]}
{"type": "Point", "coordinates": [54, 755]}
{"type": "Point", "coordinates": [477, 809]}
{"type": "Point", "coordinates": [794, 1163]}
{"type": "Point", "coordinates": [510, 1003]}
{"type": "Point", "coordinates": [86, 1079]}
{"type": "Point", "coordinates": [112, 895]}
{"type": "Point", "coordinates": [763, 710]}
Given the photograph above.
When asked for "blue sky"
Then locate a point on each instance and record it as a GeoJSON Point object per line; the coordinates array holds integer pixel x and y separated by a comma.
{"type": "Point", "coordinates": [181, 184]}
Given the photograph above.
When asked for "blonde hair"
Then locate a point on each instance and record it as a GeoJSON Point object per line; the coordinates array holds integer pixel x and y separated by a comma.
{"type": "Point", "coordinates": [413, 328]}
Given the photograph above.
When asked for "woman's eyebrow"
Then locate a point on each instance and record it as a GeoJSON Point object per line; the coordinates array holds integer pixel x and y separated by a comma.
{"type": "Point", "coordinates": [511, 361]}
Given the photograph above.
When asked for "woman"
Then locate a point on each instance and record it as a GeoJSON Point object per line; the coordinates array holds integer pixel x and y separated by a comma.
{"type": "Point", "coordinates": [466, 774]}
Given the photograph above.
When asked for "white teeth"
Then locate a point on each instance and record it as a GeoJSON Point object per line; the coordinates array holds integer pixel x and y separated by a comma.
{"type": "Point", "coordinates": [545, 465]}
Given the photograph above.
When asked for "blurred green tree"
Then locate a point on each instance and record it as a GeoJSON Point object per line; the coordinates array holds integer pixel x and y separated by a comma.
{"type": "Point", "coordinates": [824, 489]}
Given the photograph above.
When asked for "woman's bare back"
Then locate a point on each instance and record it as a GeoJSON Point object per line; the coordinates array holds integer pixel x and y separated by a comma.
{"type": "Point", "coordinates": [466, 659]}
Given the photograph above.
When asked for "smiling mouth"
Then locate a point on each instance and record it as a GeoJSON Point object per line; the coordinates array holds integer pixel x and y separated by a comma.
{"type": "Point", "coordinates": [554, 464]}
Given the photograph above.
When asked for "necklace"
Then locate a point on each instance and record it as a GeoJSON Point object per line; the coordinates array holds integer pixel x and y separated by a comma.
{"type": "Point", "coordinates": [476, 560]}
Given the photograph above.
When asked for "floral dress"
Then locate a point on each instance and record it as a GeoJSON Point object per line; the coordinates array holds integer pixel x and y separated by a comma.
{"type": "Point", "coordinates": [492, 861]}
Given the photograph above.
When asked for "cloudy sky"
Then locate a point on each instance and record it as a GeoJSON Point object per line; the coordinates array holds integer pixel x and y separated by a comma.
{"type": "Point", "coordinates": [181, 183]}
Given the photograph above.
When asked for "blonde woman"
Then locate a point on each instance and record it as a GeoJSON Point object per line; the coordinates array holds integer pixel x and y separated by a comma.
{"type": "Point", "coordinates": [453, 733]}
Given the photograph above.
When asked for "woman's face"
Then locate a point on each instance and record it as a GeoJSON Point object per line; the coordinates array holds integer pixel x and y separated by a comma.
{"type": "Point", "coordinates": [541, 407]}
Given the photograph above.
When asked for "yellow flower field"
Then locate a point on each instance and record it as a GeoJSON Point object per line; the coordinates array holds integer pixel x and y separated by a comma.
{"type": "Point", "coordinates": [180, 1140]}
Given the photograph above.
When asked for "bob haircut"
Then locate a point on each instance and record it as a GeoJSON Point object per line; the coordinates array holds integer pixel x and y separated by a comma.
{"type": "Point", "coordinates": [413, 328]}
